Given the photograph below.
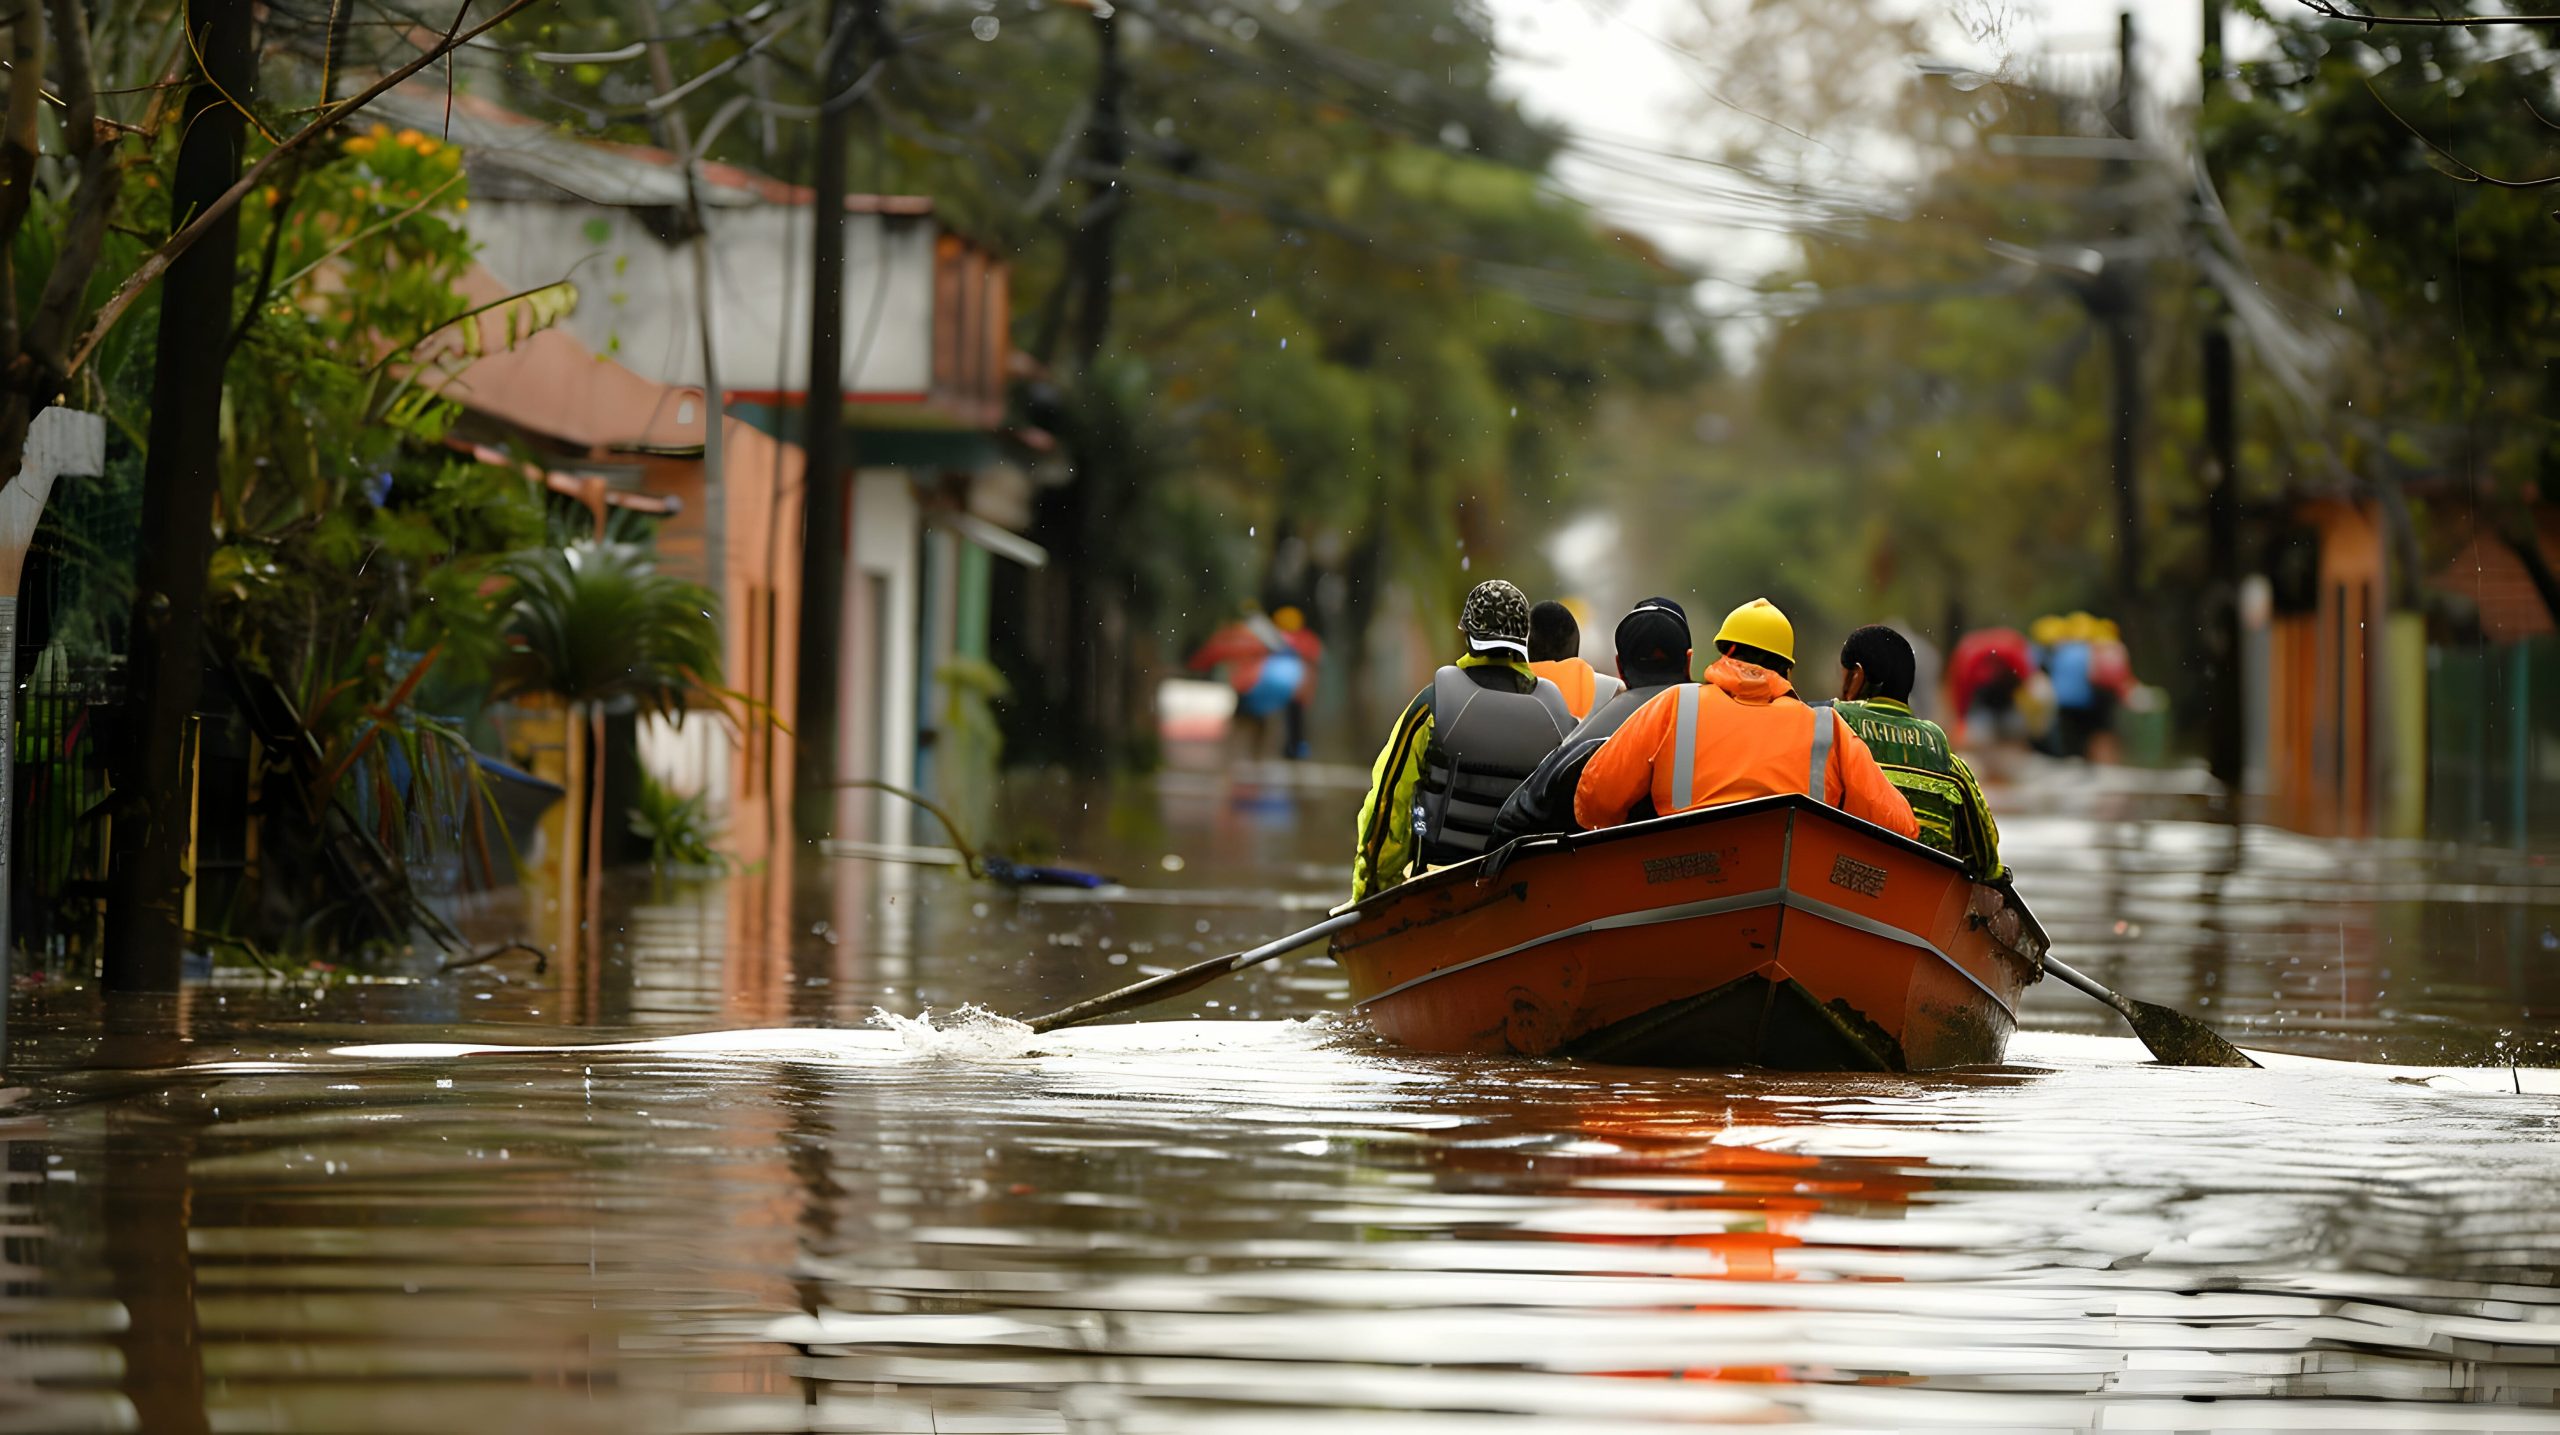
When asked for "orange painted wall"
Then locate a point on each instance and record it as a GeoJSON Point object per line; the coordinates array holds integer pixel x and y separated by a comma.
{"type": "Point", "coordinates": [2322, 698]}
{"type": "Point", "coordinates": [760, 613]}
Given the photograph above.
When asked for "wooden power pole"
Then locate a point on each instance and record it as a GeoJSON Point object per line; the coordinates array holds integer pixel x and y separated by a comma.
{"type": "Point", "coordinates": [146, 875]}
{"type": "Point", "coordinates": [2120, 287]}
{"type": "Point", "coordinates": [825, 532]}
{"type": "Point", "coordinates": [2227, 736]}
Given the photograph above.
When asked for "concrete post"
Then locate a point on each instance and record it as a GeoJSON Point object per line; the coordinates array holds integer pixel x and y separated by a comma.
{"type": "Point", "coordinates": [60, 441]}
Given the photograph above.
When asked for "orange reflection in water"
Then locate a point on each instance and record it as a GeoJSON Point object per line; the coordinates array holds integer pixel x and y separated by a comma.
{"type": "Point", "coordinates": [1671, 1159]}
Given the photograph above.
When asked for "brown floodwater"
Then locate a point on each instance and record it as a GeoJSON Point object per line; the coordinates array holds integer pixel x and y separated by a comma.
{"type": "Point", "coordinates": [688, 1184]}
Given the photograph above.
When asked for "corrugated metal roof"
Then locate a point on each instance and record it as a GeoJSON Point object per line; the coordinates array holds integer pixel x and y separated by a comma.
{"type": "Point", "coordinates": [597, 171]}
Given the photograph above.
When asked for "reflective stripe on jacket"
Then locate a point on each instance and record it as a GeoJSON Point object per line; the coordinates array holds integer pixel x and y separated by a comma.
{"type": "Point", "coordinates": [1741, 734]}
{"type": "Point", "coordinates": [1954, 816]}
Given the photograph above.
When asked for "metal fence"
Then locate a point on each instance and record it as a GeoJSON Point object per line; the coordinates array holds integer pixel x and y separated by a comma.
{"type": "Point", "coordinates": [2493, 742]}
{"type": "Point", "coordinates": [74, 600]}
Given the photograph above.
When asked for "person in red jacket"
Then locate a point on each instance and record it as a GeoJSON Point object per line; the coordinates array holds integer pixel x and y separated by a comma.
{"type": "Point", "coordinates": [1743, 733]}
{"type": "Point", "coordinates": [1268, 665]}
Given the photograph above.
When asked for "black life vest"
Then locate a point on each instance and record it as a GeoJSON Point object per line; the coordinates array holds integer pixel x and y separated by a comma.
{"type": "Point", "coordinates": [1483, 742]}
{"type": "Point", "coordinates": [1612, 715]}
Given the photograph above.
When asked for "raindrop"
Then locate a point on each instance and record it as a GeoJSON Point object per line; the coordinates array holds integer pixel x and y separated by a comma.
{"type": "Point", "coordinates": [986, 26]}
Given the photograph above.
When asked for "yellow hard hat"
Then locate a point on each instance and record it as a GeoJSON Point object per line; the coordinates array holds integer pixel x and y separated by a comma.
{"type": "Point", "coordinates": [1288, 619]}
{"type": "Point", "coordinates": [1759, 624]}
{"type": "Point", "coordinates": [2048, 630]}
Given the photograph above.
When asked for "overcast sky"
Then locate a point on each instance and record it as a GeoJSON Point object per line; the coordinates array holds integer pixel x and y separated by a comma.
{"type": "Point", "coordinates": [1609, 68]}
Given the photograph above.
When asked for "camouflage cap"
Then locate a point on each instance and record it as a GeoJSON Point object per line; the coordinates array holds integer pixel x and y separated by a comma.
{"type": "Point", "coordinates": [1496, 619]}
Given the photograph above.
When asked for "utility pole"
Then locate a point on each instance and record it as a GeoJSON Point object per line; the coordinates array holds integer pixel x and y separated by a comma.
{"type": "Point", "coordinates": [2120, 296]}
{"type": "Point", "coordinates": [825, 532]}
{"type": "Point", "coordinates": [2227, 736]}
{"type": "Point", "coordinates": [146, 875]}
{"type": "Point", "coordinates": [715, 507]}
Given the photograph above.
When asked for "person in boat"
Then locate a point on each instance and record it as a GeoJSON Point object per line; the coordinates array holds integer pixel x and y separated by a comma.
{"type": "Point", "coordinates": [1459, 749]}
{"type": "Point", "coordinates": [1878, 672]}
{"type": "Point", "coordinates": [1555, 653]}
{"type": "Point", "coordinates": [1653, 657]}
{"type": "Point", "coordinates": [1743, 733]}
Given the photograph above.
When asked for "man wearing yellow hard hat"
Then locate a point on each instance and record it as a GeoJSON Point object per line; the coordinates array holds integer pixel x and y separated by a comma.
{"type": "Point", "coordinates": [1743, 733]}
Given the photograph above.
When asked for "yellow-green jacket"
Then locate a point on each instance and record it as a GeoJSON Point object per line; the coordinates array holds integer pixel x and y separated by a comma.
{"type": "Point", "coordinates": [1954, 816]}
{"type": "Point", "coordinates": [1385, 848]}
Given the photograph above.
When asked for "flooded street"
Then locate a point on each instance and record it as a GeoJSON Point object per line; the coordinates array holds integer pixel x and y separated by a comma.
{"type": "Point", "coordinates": [695, 1187]}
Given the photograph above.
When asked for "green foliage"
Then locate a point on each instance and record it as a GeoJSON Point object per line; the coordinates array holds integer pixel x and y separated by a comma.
{"type": "Point", "coordinates": [678, 829]}
{"type": "Point", "coordinates": [1926, 435]}
{"type": "Point", "coordinates": [355, 558]}
{"type": "Point", "coordinates": [598, 624]}
{"type": "Point", "coordinates": [1351, 311]}
{"type": "Point", "coordinates": [969, 746]}
{"type": "Point", "coordinates": [2354, 157]}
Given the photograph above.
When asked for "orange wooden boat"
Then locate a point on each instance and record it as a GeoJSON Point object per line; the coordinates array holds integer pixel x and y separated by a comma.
{"type": "Point", "coordinates": [1778, 932]}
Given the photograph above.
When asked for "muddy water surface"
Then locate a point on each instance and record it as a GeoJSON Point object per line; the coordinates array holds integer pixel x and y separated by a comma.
{"type": "Point", "coordinates": [686, 1185]}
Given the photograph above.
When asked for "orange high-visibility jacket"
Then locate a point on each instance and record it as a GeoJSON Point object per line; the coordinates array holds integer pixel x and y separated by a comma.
{"type": "Point", "coordinates": [1755, 738]}
{"type": "Point", "coordinates": [1575, 679]}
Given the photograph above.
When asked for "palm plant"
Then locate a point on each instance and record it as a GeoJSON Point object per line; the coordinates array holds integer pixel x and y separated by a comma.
{"type": "Point", "coordinates": [597, 626]}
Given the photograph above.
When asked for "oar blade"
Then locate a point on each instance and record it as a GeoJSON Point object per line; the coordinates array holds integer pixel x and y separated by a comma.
{"type": "Point", "coordinates": [2178, 1039]}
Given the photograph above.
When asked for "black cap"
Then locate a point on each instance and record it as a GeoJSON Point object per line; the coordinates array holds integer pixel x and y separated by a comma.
{"type": "Point", "coordinates": [1654, 633]}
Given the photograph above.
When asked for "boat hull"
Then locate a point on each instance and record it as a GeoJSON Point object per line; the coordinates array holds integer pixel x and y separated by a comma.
{"type": "Point", "coordinates": [1774, 933]}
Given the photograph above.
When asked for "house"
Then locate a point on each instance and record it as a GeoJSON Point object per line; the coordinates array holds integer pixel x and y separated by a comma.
{"type": "Point", "coordinates": [2494, 677]}
{"type": "Point", "coordinates": [2335, 675]}
{"type": "Point", "coordinates": [618, 392]}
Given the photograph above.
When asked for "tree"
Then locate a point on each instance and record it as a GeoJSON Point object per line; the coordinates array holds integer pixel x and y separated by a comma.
{"type": "Point", "coordinates": [2389, 178]}
{"type": "Point", "coordinates": [49, 330]}
{"type": "Point", "coordinates": [146, 878]}
{"type": "Point", "coordinates": [1310, 309]}
{"type": "Point", "coordinates": [597, 626]}
{"type": "Point", "coordinates": [1929, 429]}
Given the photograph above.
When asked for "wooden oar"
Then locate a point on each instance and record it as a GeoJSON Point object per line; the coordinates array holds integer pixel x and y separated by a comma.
{"type": "Point", "coordinates": [1190, 978]}
{"type": "Point", "coordinates": [2173, 1036]}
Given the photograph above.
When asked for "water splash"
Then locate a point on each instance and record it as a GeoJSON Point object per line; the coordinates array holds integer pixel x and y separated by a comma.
{"type": "Point", "coordinates": [969, 1033]}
